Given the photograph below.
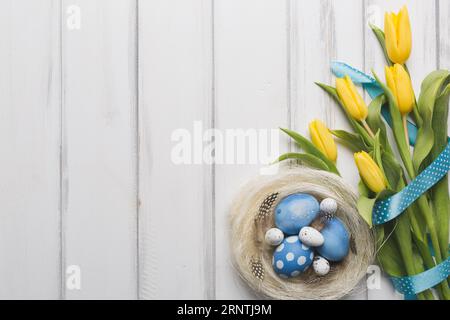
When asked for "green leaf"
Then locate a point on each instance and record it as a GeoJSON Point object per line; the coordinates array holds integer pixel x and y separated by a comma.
{"type": "Point", "coordinates": [430, 90]}
{"type": "Point", "coordinates": [376, 122]}
{"type": "Point", "coordinates": [307, 146]}
{"type": "Point", "coordinates": [380, 235]}
{"type": "Point", "coordinates": [306, 159]}
{"type": "Point", "coordinates": [365, 208]}
{"type": "Point", "coordinates": [365, 203]}
{"type": "Point", "coordinates": [390, 259]}
{"type": "Point", "coordinates": [381, 39]}
{"type": "Point", "coordinates": [416, 114]}
{"type": "Point", "coordinates": [402, 234]}
{"type": "Point", "coordinates": [392, 169]}
{"type": "Point", "coordinates": [376, 153]}
{"type": "Point", "coordinates": [363, 189]}
{"type": "Point", "coordinates": [351, 140]}
{"type": "Point", "coordinates": [377, 156]}
{"type": "Point", "coordinates": [397, 128]}
{"type": "Point", "coordinates": [440, 192]}
{"type": "Point", "coordinates": [330, 90]}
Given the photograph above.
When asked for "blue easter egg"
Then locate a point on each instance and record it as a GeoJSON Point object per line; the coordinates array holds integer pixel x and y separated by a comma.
{"type": "Point", "coordinates": [295, 212]}
{"type": "Point", "coordinates": [291, 258]}
{"type": "Point", "coordinates": [337, 241]}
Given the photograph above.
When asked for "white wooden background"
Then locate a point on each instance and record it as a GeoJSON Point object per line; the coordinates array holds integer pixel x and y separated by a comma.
{"type": "Point", "coordinates": [86, 117]}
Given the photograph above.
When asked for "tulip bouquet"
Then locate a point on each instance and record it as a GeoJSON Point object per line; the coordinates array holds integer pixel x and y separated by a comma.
{"type": "Point", "coordinates": [418, 239]}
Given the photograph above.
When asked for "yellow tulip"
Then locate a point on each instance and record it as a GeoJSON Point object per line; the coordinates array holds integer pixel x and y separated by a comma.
{"type": "Point", "coordinates": [369, 171]}
{"type": "Point", "coordinates": [397, 31]}
{"type": "Point", "coordinates": [399, 82]}
{"type": "Point", "coordinates": [322, 139]}
{"type": "Point", "coordinates": [352, 100]}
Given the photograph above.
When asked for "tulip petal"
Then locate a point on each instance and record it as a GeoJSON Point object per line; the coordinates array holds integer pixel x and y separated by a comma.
{"type": "Point", "coordinates": [351, 99]}
{"type": "Point", "coordinates": [397, 30]}
{"type": "Point", "coordinates": [322, 139]}
{"type": "Point", "coordinates": [404, 90]}
{"type": "Point", "coordinates": [371, 174]}
{"type": "Point", "coordinates": [390, 33]}
{"type": "Point", "coordinates": [399, 83]}
{"type": "Point", "coordinates": [404, 33]}
{"type": "Point", "coordinates": [362, 107]}
{"type": "Point", "coordinates": [315, 137]}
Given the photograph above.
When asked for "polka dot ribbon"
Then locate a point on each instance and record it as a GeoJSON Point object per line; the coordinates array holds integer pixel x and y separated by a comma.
{"type": "Point", "coordinates": [409, 286]}
{"type": "Point", "coordinates": [388, 209]}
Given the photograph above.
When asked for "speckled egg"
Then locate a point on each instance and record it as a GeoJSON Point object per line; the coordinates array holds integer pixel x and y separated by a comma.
{"type": "Point", "coordinates": [274, 237]}
{"type": "Point", "coordinates": [321, 266]}
{"type": "Point", "coordinates": [291, 258]}
{"type": "Point", "coordinates": [336, 241]}
{"type": "Point", "coordinates": [328, 207]}
{"type": "Point", "coordinates": [311, 237]}
{"type": "Point", "coordinates": [295, 212]}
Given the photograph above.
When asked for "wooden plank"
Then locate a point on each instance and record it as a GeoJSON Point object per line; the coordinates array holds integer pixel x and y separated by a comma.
{"type": "Point", "coordinates": [176, 214]}
{"type": "Point", "coordinates": [320, 34]}
{"type": "Point", "coordinates": [348, 20]}
{"type": "Point", "coordinates": [251, 93]}
{"type": "Point", "coordinates": [99, 147]}
{"type": "Point", "coordinates": [422, 61]}
{"type": "Point", "coordinates": [443, 44]}
{"type": "Point", "coordinates": [30, 130]}
{"type": "Point", "coordinates": [444, 34]}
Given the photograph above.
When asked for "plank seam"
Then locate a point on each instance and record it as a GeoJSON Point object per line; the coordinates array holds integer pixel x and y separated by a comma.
{"type": "Point", "coordinates": [137, 146]}
{"type": "Point", "coordinates": [288, 67]}
{"type": "Point", "coordinates": [438, 33]}
{"type": "Point", "coordinates": [212, 226]}
{"type": "Point", "coordinates": [62, 167]}
{"type": "Point", "coordinates": [364, 28]}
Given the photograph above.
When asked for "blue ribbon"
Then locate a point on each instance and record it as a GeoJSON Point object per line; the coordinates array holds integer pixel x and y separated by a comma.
{"type": "Point", "coordinates": [390, 208]}
{"type": "Point", "coordinates": [412, 285]}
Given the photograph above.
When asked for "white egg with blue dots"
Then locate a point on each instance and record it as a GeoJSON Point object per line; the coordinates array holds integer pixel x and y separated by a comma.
{"type": "Point", "coordinates": [291, 258]}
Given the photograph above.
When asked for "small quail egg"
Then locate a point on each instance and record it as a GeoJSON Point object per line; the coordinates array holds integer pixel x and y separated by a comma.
{"type": "Point", "coordinates": [328, 207]}
{"type": "Point", "coordinates": [274, 236]}
{"type": "Point", "coordinates": [321, 266]}
{"type": "Point", "coordinates": [311, 237]}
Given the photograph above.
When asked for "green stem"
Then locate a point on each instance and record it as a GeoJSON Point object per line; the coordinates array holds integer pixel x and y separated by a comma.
{"type": "Point", "coordinates": [404, 241]}
{"type": "Point", "coordinates": [419, 240]}
{"type": "Point", "coordinates": [428, 216]}
{"type": "Point", "coordinates": [403, 237]}
{"type": "Point", "coordinates": [428, 295]}
{"type": "Point", "coordinates": [426, 210]}
{"type": "Point", "coordinates": [422, 246]}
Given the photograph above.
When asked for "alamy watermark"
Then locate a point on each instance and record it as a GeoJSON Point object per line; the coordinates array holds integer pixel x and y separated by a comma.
{"type": "Point", "coordinates": [199, 145]}
{"type": "Point", "coordinates": [73, 277]}
{"type": "Point", "coordinates": [73, 14]}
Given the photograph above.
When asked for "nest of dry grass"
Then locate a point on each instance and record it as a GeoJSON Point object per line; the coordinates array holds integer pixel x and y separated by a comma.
{"type": "Point", "coordinates": [252, 214]}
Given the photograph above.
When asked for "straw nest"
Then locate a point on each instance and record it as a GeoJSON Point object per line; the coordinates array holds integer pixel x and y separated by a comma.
{"type": "Point", "coordinates": [252, 216]}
